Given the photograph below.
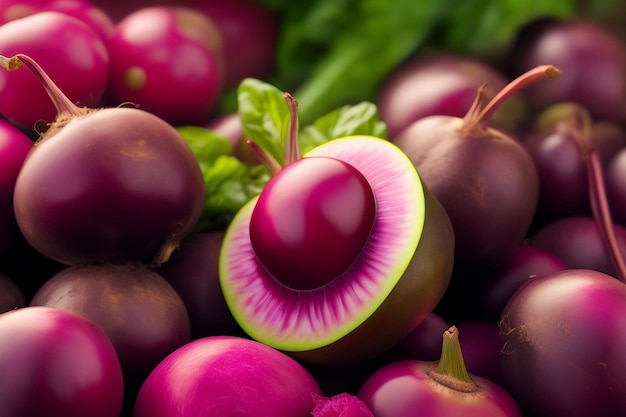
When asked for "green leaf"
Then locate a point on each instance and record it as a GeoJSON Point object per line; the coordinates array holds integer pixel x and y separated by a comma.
{"type": "Point", "coordinates": [206, 145]}
{"type": "Point", "coordinates": [264, 115]}
{"type": "Point", "coordinates": [359, 119]}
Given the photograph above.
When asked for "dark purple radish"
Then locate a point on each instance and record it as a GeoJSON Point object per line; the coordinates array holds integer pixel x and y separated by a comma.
{"type": "Point", "coordinates": [112, 184]}
{"type": "Point", "coordinates": [441, 388]}
{"type": "Point", "coordinates": [175, 72]}
{"type": "Point", "coordinates": [442, 83]}
{"type": "Point", "coordinates": [217, 376]}
{"type": "Point", "coordinates": [84, 10]}
{"type": "Point", "coordinates": [249, 34]}
{"type": "Point", "coordinates": [11, 295]}
{"type": "Point", "coordinates": [423, 343]}
{"type": "Point", "coordinates": [578, 242]}
{"type": "Point", "coordinates": [56, 363]}
{"type": "Point", "coordinates": [615, 180]}
{"type": "Point", "coordinates": [343, 243]}
{"type": "Point", "coordinates": [527, 262]}
{"type": "Point", "coordinates": [564, 340]}
{"type": "Point", "coordinates": [14, 146]}
{"type": "Point", "coordinates": [193, 271]}
{"type": "Point", "coordinates": [68, 49]}
{"type": "Point", "coordinates": [485, 179]}
{"type": "Point", "coordinates": [594, 59]}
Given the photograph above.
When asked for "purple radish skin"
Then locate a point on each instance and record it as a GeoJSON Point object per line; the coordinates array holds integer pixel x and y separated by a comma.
{"type": "Point", "coordinates": [88, 193]}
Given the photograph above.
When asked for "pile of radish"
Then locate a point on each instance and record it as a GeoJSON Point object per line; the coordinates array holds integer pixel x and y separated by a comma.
{"type": "Point", "coordinates": [136, 138]}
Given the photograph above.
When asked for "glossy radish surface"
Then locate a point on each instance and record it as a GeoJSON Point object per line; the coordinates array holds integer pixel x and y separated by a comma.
{"type": "Point", "coordinates": [68, 49]}
{"type": "Point", "coordinates": [112, 184]}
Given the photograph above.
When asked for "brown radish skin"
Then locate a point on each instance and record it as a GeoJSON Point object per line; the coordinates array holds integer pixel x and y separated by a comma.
{"type": "Point", "coordinates": [484, 178]}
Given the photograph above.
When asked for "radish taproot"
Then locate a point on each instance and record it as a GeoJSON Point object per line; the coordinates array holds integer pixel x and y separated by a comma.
{"type": "Point", "coordinates": [112, 184]}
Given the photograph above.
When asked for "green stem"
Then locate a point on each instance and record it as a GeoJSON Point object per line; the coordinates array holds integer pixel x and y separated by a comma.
{"type": "Point", "coordinates": [451, 371]}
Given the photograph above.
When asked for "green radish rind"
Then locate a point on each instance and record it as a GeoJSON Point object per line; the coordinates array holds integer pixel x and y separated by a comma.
{"type": "Point", "coordinates": [292, 320]}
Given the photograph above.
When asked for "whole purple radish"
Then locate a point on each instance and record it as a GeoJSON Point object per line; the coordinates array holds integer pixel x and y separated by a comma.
{"type": "Point", "coordinates": [56, 363]}
{"type": "Point", "coordinates": [68, 49]}
{"type": "Point", "coordinates": [564, 340]}
{"type": "Point", "coordinates": [217, 376]}
{"type": "Point", "coordinates": [481, 345]}
{"type": "Point", "coordinates": [485, 179]}
{"type": "Point", "coordinates": [14, 146]}
{"type": "Point", "coordinates": [358, 204]}
{"type": "Point", "coordinates": [412, 388]}
{"type": "Point", "coordinates": [143, 316]}
{"type": "Point", "coordinates": [442, 83]}
{"type": "Point", "coordinates": [171, 67]}
{"type": "Point", "coordinates": [594, 57]}
{"type": "Point", "coordinates": [112, 184]}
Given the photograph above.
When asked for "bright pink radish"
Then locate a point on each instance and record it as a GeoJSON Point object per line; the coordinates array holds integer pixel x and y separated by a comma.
{"type": "Point", "coordinates": [564, 345]}
{"type": "Point", "coordinates": [171, 67]}
{"type": "Point", "coordinates": [84, 10]}
{"type": "Point", "coordinates": [57, 364]}
{"type": "Point", "coordinates": [218, 376]}
{"type": "Point", "coordinates": [111, 184]}
{"type": "Point", "coordinates": [14, 146]}
{"type": "Point", "coordinates": [68, 49]}
{"type": "Point", "coordinates": [441, 388]}
{"type": "Point", "coordinates": [249, 33]}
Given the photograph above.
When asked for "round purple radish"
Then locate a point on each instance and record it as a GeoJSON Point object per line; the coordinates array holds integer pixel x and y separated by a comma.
{"type": "Point", "coordinates": [443, 388]}
{"type": "Point", "coordinates": [171, 67]}
{"type": "Point", "coordinates": [112, 184]}
{"type": "Point", "coordinates": [564, 340]}
{"type": "Point", "coordinates": [57, 364]}
{"type": "Point", "coordinates": [343, 243]}
{"type": "Point", "coordinates": [68, 49]}
{"type": "Point", "coordinates": [485, 179]}
{"type": "Point", "coordinates": [577, 241]}
{"type": "Point", "coordinates": [218, 376]}
{"type": "Point", "coordinates": [481, 345]}
{"type": "Point", "coordinates": [594, 59]}
{"type": "Point", "coordinates": [143, 316]}
{"type": "Point", "coordinates": [14, 146]}
{"type": "Point", "coordinates": [441, 83]}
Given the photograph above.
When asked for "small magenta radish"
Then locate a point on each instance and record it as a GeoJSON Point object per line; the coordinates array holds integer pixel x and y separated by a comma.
{"type": "Point", "coordinates": [113, 184]}
{"type": "Point", "coordinates": [171, 67]}
{"type": "Point", "coordinates": [68, 49]}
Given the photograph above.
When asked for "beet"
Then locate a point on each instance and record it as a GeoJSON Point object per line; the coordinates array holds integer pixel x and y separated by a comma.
{"type": "Point", "coordinates": [113, 184]}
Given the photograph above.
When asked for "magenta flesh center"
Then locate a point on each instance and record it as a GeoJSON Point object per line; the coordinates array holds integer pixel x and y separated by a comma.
{"type": "Point", "coordinates": [312, 221]}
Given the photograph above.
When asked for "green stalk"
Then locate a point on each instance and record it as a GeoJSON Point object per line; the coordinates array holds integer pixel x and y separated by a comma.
{"type": "Point", "coordinates": [451, 370]}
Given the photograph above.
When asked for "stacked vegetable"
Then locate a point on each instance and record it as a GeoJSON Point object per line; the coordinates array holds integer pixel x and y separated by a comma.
{"type": "Point", "coordinates": [365, 208]}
